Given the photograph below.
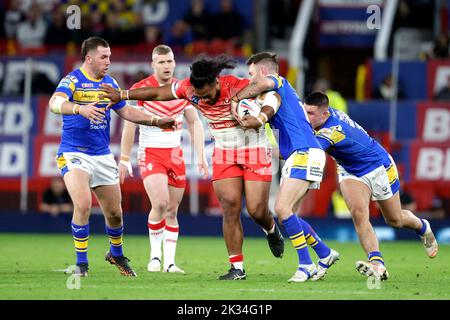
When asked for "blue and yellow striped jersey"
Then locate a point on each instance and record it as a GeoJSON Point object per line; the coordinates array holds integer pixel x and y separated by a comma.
{"type": "Point", "coordinates": [350, 145]}
{"type": "Point", "coordinates": [79, 134]}
{"type": "Point", "coordinates": [291, 122]}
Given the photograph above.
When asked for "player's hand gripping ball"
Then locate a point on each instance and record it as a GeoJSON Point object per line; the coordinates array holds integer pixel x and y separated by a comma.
{"type": "Point", "coordinates": [248, 107]}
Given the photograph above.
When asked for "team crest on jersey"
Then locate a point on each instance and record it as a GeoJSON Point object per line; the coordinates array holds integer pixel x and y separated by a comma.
{"type": "Point", "coordinates": [150, 167]}
{"type": "Point", "coordinates": [65, 83]}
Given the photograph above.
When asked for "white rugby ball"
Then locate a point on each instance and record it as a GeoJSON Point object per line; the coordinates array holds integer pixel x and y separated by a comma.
{"type": "Point", "coordinates": [248, 107]}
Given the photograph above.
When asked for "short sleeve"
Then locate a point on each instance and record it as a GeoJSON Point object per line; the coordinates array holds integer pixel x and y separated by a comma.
{"type": "Point", "coordinates": [328, 137]}
{"type": "Point", "coordinates": [240, 83]}
{"type": "Point", "coordinates": [67, 85]}
{"type": "Point", "coordinates": [277, 80]}
{"type": "Point", "coordinates": [179, 88]}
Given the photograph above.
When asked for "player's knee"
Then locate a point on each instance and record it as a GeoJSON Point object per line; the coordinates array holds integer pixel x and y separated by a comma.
{"type": "Point", "coordinates": [114, 217]}
{"type": "Point", "coordinates": [161, 206]}
{"type": "Point", "coordinates": [171, 213]}
{"type": "Point", "coordinates": [259, 210]}
{"type": "Point", "coordinates": [229, 205]}
{"type": "Point", "coordinates": [394, 222]}
{"type": "Point", "coordinates": [360, 215]}
{"type": "Point", "coordinates": [282, 210]}
{"type": "Point", "coordinates": [82, 208]}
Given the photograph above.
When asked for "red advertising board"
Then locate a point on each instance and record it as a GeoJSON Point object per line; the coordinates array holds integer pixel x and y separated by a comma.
{"type": "Point", "coordinates": [433, 122]}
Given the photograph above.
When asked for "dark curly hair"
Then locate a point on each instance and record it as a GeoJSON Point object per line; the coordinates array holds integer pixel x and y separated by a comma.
{"type": "Point", "coordinates": [205, 69]}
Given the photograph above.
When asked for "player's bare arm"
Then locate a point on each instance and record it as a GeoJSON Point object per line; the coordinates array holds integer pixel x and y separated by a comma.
{"type": "Point", "coordinates": [254, 88]}
{"type": "Point", "coordinates": [270, 106]}
{"type": "Point", "coordinates": [131, 114]}
{"type": "Point", "coordinates": [197, 134]}
{"type": "Point", "coordinates": [60, 104]}
{"type": "Point", "coordinates": [163, 93]}
{"type": "Point", "coordinates": [126, 145]}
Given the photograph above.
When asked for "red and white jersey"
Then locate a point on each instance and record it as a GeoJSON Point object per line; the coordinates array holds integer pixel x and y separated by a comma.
{"type": "Point", "coordinates": [227, 132]}
{"type": "Point", "coordinates": [154, 137]}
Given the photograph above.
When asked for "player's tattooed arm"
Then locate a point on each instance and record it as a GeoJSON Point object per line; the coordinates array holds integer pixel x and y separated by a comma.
{"type": "Point", "coordinates": [254, 88]}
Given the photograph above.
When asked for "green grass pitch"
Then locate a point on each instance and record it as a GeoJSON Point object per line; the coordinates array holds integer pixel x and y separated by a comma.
{"type": "Point", "coordinates": [29, 264]}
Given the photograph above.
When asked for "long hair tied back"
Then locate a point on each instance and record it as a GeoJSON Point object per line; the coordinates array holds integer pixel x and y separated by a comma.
{"type": "Point", "coordinates": [205, 69]}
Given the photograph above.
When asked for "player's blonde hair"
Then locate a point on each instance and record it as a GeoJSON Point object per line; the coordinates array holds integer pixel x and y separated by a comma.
{"type": "Point", "coordinates": [161, 49]}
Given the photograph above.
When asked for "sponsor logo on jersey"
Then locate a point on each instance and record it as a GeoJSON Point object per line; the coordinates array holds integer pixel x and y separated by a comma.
{"type": "Point", "coordinates": [65, 82]}
{"type": "Point", "coordinates": [87, 85]}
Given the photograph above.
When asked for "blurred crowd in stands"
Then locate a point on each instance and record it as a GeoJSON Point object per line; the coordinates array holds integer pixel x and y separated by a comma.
{"type": "Point", "coordinates": [39, 26]}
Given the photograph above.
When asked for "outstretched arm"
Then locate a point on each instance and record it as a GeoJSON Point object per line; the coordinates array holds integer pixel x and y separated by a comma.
{"type": "Point", "coordinates": [162, 93]}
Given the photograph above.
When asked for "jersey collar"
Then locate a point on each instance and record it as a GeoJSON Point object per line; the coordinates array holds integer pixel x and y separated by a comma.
{"type": "Point", "coordinates": [88, 77]}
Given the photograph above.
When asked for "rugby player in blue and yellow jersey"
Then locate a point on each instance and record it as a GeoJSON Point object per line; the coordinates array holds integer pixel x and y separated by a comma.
{"type": "Point", "coordinates": [365, 171]}
{"type": "Point", "coordinates": [84, 157]}
{"type": "Point", "coordinates": [305, 160]}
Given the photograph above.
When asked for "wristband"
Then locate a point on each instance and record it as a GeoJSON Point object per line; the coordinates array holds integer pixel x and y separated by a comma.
{"type": "Point", "coordinates": [76, 109]}
{"type": "Point", "coordinates": [264, 115]}
{"type": "Point", "coordinates": [260, 121]}
{"type": "Point", "coordinates": [128, 165]}
{"type": "Point", "coordinates": [157, 119]}
{"type": "Point", "coordinates": [124, 157]}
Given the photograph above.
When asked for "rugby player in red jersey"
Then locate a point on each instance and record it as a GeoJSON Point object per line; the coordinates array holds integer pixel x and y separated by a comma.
{"type": "Point", "coordinates": [241, 160]}
{"type": "Point", "coordinates": [161, 160]}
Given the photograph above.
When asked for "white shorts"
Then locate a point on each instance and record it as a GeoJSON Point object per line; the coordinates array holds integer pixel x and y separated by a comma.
{"type": "Point", "coordinates": [382, 182]}
{"type": "Point", "coordinates": [305, 165]}
{"type": "Point", "coordinates": [102, 169]}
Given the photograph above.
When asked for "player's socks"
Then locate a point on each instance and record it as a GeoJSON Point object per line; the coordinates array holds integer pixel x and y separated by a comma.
{"type": "Point", "coordinates": [81, 239]}
{"type": "Point", "coordinates": [375, 256]}
{"type": "Point", "coordinates": [271, 231]}
{"type": "Point", "coordinates": [115, 240]}
{"type": "Point", "coordinates": [422, 230]}
{"type": "Point", "coordinates": [313, 240]}
{"type": "Point", "coordinates": [170, 235]}
{"type": "Point", "coordinates": [294, 230]}
{"type": "Point", "coordinates": [155, 233]}
{"type": "Point", "coordinates": [237, 261]}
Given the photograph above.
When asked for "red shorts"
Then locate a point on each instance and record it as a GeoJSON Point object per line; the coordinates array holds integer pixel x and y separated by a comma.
{"type": "Point", "coordinates": [253, 164]}
{"type": "Point", "coordinates": [168, 161]}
